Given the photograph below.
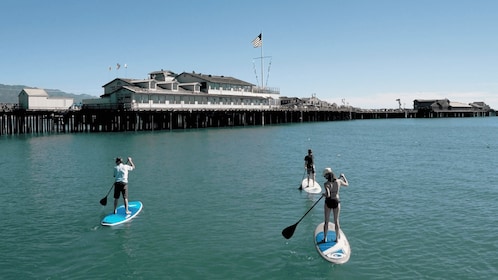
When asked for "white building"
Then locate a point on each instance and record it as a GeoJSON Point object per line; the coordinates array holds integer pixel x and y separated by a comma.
{"type": "Point", "coordinates": [38, 99]}
{"type": "Point", "coordinates": [165, 90]}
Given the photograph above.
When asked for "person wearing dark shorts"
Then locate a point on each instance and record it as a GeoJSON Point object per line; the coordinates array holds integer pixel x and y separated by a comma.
{"type": "Point", "coordinates": [121, 182]}
{"type": "Point", "coordinates": [120, 188]}
{"type": "Point", "coordinates": [309, 166]}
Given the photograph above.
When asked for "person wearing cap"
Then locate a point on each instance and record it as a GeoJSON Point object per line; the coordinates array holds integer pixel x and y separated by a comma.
{"type": "Point", "coordinates": [332, 202]}
{"type": "Point", "coordinates": [121, 182]}
{"type": "Point", "coordinates": [309, 166]}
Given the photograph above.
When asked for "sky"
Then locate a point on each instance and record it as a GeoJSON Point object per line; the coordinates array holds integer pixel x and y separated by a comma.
{"type": "Point", "coordinates": [361, 53]}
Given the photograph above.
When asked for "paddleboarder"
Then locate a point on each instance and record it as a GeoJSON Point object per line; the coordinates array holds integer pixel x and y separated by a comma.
{"type": "Point", "coordinates": [309, 165]}
{"type": "Point", "coordinates": [332, 202]}
{"type": "Point", "coordinates": [121, 181]}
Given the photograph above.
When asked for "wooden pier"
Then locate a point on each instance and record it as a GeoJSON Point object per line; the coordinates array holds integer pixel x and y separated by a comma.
{"type": "Point", "coordinates": [40, 122]}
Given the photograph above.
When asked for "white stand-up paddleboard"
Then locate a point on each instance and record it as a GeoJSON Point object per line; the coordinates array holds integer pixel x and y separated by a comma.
{"type": "Point", "coordinates": [313, 186]}
{"type": "Point", "coordinates": [121, 217]}
{"type": "Point", "coordinates": [331, 251]}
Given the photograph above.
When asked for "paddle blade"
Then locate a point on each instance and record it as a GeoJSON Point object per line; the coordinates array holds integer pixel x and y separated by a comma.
{"type": "Point", "coordinates": [289, 231]}
{"type": "Point", "coordinates": [103, 201]}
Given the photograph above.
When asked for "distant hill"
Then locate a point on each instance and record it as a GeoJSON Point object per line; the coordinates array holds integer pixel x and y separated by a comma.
{"type": "Point", "coordinates": [9, 94]}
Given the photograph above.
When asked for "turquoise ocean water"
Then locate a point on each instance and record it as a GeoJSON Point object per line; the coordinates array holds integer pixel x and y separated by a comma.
{"type": "Point", "coordinates": [421, 204]}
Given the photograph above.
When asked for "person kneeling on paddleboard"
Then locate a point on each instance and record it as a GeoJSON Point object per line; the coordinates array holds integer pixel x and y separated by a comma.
{"type": "Point", "coordinates": [121, 182]}
{"type": "Point", "coordinates": [332, 202]}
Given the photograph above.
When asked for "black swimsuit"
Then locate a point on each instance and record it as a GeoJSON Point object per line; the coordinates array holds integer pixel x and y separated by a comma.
{"type": "Point", "coordinates": [332, 202]}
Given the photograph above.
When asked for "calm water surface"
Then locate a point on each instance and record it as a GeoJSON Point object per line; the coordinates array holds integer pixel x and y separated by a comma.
{"type": "Point", "coordinates": [421, 202]}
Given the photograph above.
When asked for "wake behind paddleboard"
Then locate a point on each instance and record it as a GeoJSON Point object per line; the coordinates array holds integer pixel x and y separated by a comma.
{"type": "Point", "coordinates": [313, 186]}
{"type": "Point", "coordinates": [121, 217]}
{"type": "Point", "coordinates": [331, 251]}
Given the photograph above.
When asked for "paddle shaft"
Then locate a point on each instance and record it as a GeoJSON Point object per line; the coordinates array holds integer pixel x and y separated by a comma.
{"type": "Point", "coordinates": [300, 184]}
{"type": "Point", "coordinates": [309, 209]}
{"type": "Point", "coordinates": [109, 190]}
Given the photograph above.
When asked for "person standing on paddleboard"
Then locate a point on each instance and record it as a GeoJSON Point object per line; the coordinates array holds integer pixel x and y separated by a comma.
{"type": "Point", "coordinates": [332, 202]}
{"type": "Point", "coordinates": [309, 166]}
{"type": "Point", "coordinates": [121, 182]}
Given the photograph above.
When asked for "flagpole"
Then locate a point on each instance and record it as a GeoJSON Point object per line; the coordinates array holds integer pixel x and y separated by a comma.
{"type": "Point", "coordinates": [258, 43]}
{"type": "Point", "coordinates": [262, 63]}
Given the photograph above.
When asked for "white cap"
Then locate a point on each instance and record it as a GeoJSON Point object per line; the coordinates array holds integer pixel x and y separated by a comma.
{"type": "Point", "coordinates": [327, 170]}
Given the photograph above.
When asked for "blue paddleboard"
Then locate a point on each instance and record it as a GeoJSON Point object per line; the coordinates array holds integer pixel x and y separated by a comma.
{"type": "Point", "coordinates": [334, 252]}
{"type": "Point", "coordinates": [120, 217]}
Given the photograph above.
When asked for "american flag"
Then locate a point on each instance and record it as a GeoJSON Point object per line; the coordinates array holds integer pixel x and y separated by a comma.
{"type": "Point", "coordinates": [258, 41]}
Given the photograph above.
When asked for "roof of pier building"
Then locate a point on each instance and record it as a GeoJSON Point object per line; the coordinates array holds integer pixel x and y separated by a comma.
{"type": "Point", "coordinates": [160, 86]}
{"type": "Point", "coordinates": [168, 80]}
{"type": "Point", "coordinates": [163, 75]}
{"type": "Point", "coordinates": [211, 79]}
{"type": "Point", "coordinates": [34, 92]}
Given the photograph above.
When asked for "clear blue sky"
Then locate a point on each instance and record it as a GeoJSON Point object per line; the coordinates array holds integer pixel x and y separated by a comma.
{"type": "Point", "coordinates": [368, 52]}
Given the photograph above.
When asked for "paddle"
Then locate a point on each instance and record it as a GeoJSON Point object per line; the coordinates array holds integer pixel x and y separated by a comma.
{"type": "Point", "coordinates": [289, 231]}
{"type": "Point", "coordinates": [103, 201]}
{"type": "Point", "coordinates": [300, 185]}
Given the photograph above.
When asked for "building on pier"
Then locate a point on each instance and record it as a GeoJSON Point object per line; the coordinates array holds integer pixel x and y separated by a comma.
{"type": "Point", "coordinates": [38, 99]}
{"type": "Point", "coordinates": [446, 108]}
{"type": "Point", "coordinates": [165, 90]}
{"type": "Point", "coordinates": [307, 102]}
